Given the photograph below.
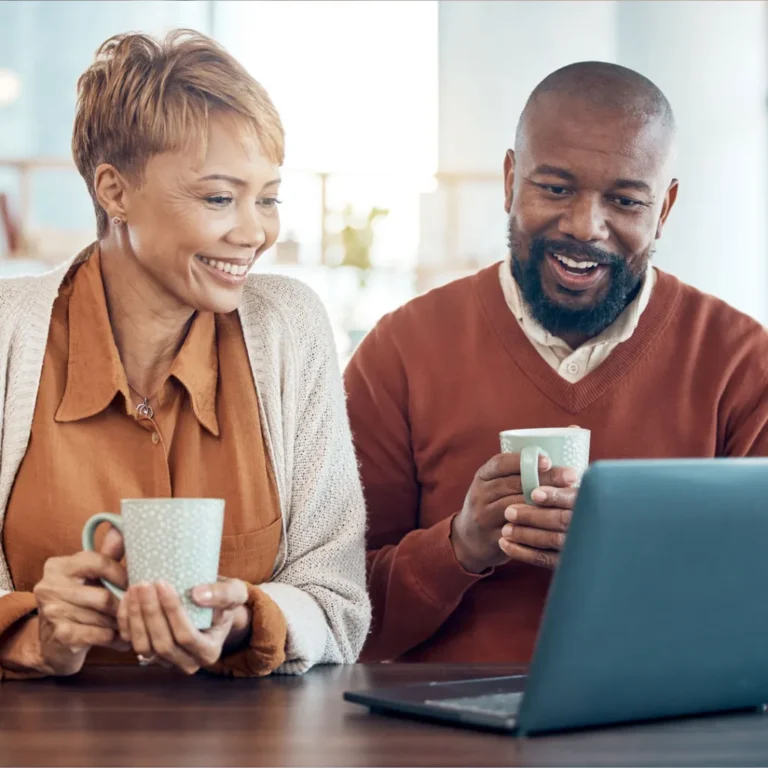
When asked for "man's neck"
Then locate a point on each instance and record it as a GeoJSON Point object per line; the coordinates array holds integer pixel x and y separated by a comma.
{"type": "Point", "coordinates": [149, 325]}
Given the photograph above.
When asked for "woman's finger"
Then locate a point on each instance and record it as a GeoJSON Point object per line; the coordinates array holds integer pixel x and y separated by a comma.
{"type": "Point", "coordinates": [113, 545]}
{"type": "Point", "coordinates": [94, 598]}
{"type": "Point", "coordinates": [161, 637]}
{"type": "Point", "coordinates": [137, 630]}
{"type": "Point", "coordinates": [57, 611]}
{"type": "Point", "coordinates": [197, 645]}
{"type": "Point", "coordinates": [223, 594]}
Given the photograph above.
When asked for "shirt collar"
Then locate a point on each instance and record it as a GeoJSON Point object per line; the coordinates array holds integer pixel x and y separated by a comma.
{"type": "Point", "coordinates": [197, 368]}
{"type": "Point", "coordinates": [95, 373]}
{"type": "Point", "coordinates": [619, 331]}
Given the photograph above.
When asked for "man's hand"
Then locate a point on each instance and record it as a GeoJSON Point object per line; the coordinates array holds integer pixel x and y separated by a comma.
{"type": "Point", "coordinates": [476, 533]}
{"type": "Point", "coordinates": [536, 535]}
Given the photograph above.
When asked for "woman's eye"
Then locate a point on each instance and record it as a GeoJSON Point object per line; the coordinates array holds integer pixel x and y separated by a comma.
{"type": "Point", "coordinates": [269, 202]}
{"type": "Point", "coordinates": [218, 200]}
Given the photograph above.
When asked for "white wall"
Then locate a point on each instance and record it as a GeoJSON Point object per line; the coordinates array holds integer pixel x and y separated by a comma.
{"type": "Point", "coordinates": [710, 58]}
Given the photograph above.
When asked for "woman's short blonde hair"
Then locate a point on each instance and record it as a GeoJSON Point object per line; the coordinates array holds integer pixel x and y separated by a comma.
{"type": "Point", "coordinates": [142, 96]}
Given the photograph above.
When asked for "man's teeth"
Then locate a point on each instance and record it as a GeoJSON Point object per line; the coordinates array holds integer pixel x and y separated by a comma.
{"type": "Point", "coordinates": [224, 266]}
{"type": "Point", "coordinates": [574, 264]}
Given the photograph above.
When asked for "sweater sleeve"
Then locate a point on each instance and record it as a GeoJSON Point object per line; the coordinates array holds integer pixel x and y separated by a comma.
{"type": "Point", "coordinates": [745, 405]}
{"type": "Point", "coordinates": [414, 579]}
{"type": "Point", "coordinates": [15, 608]}
{"type": "Point", "coordinates": [320, 588]}
{"type": "Point", "coordinates": [265, 651]}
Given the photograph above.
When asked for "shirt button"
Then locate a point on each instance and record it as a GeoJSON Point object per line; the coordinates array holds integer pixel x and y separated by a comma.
{"type": "Point", "coordinates": [155, 438]}
{"type": "Point", "coordinates": [572, 368]}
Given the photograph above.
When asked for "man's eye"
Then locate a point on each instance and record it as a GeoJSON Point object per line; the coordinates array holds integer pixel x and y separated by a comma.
{"type": "Point", "coordinates": [555, 190]}
{"type": "Point", "coordinates": [628, 202]}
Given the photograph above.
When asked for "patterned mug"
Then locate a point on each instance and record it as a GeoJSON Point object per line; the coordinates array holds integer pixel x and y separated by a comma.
{"type": "Point", "coordinates": [564, 447]}
{"type": "Point", "coordinates": [173, 540]}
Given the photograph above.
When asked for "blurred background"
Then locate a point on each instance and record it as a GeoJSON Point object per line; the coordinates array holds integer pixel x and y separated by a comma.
{"type": "Point", "coordinates": [397, 116]}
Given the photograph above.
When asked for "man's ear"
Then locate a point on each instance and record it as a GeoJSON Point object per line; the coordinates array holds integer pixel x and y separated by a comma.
{"type": "Point", "coordinates": [509, 178]}
{"type": "Point", "coordinates": [669, 201]}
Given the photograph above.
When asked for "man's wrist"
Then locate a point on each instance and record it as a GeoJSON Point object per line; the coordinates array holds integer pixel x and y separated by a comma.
{"type": "Point", "coordinates": [461, 552]}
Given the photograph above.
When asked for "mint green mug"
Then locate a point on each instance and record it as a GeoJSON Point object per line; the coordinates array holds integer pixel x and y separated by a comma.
{"type": "Point", "coordinates": [173, 540]}
{"type": "Point", "coordinates": [564, 447]}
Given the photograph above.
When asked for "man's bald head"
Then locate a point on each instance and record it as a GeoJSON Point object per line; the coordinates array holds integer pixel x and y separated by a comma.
{"type": "Point", "coordinates": [604, 87]}
{"type": "Point", "coordinates": [588, 189]}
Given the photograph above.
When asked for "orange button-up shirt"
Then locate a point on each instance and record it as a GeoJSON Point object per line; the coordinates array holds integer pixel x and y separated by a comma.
{"type": "Point", "coordinates": [89, 448]}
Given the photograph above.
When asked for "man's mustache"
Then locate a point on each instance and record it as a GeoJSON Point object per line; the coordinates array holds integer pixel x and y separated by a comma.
{"type": "Point", "coordinates": [542, 245]}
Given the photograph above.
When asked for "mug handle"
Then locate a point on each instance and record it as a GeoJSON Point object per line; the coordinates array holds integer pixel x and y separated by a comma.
{"type": "Point", "coordinates": [529, 469]}
{"type": "Point", "coordinates": [89, 544]}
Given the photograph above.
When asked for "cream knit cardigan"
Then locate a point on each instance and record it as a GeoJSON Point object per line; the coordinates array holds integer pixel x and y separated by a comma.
{"type": "Point", "coordinates": [319, 576]}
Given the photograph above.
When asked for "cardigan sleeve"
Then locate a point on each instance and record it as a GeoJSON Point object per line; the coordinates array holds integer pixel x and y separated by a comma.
{"type": "Point", "coordinates": [320, 587]}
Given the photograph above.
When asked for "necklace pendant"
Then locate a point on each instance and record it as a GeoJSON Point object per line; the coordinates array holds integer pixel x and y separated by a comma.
{"type": "Point", "coordinates": [144, 410]}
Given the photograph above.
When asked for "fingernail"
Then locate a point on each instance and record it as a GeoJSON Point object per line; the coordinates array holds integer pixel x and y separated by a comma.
{"type": "Point", "coordinates": [511, 514]}
{"type": "Point", "coordinates": [539, 495]}
{"type": "Point", "coordinates": [544, 462]}
{"type": "Point", "coordinates": [570, 476]}
{"type": "Point", "coordinates": [507, 530]}
{"type": "Point", "coordinates": [203, 594]}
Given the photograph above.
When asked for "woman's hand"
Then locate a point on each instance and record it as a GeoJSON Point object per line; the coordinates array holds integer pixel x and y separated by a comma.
{"type": "Point", "coordinates": [75, 612]}
{"type": "Point", "coordinates": [152, 619]}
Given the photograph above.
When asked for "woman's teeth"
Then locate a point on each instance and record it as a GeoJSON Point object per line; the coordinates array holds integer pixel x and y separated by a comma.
{"type": "Point", "coordinates": [224, 266]}
{"type": "Point", "coordinates": [579, 266]}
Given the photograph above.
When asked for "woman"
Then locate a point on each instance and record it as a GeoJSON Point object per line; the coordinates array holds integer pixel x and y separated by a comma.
{"type": "Point", "coordinates": [154, 365]}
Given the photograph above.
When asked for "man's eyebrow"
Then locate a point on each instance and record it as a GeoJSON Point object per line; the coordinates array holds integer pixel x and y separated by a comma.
{"type": "Point", "coordinates": [561, 173]}
{"type": "Point", "coordinates": [636, 184]}
{"type": "Point", "coordinates": [552, 170]}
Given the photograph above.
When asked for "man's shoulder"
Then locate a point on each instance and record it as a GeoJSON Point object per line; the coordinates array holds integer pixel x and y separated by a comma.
{"type": "Point", "coordinates": [721, 325]}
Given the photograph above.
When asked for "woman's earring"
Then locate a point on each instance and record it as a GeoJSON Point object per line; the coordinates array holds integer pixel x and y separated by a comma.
{"type": "Point", "coordinates": [117, 221]}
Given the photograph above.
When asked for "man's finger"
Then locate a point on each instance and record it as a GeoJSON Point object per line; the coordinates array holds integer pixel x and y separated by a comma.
{"type": "Point", "coordinates": [223, 594]}
{"type": "Point", "coordinates": [504, 464]}
{"type": "Point", "coordinates": [500, 487]}
{"type": "Point", "coordinates": [533, 537]}
{"type": "Point", "coordinates": [522, 554]}
{"type": "Point", "coordinates": [539, 517]}
{"type": "Point", "coordinates": [559, 477]}
{"type": "Point", "coordinates": [546, 496]}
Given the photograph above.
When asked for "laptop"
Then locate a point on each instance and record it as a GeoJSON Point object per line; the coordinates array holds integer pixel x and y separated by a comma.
{"type": "Point", "coordinates": [657, 609]}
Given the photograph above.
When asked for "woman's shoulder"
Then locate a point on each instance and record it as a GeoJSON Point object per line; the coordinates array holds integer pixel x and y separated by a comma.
{"type": "Point", "coordinates": [284, 301]}
{"type": "Point", "coordinates": [22, 294]}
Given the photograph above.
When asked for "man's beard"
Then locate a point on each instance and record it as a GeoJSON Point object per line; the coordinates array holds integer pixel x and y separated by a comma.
{"type": "Point", "coordinates": [556, 318]}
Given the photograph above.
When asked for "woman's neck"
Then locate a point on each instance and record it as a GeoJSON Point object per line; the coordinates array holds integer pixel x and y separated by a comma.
{"type": "Point", "coordinates": [149, 325]}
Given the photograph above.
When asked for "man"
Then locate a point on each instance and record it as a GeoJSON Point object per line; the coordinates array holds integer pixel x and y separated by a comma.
{"type": "Point", "coordinates": [574, 327]}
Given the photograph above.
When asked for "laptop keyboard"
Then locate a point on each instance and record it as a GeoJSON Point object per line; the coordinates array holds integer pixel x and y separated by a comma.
{"type": "Point", "coordinates": [489, 704]}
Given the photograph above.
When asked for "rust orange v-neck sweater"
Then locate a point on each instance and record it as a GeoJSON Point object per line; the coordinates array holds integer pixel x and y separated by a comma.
{"type": "Point", "coordinates": [431, 387]}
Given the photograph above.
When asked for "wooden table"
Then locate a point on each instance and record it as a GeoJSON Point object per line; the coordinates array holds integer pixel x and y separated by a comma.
{"type": "Point", "coordinates": [147, 717]}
